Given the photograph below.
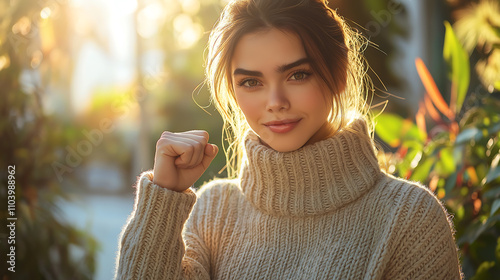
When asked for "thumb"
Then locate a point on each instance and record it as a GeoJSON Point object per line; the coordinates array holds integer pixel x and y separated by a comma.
{"type": "Point", "coordinates": [211, 151]}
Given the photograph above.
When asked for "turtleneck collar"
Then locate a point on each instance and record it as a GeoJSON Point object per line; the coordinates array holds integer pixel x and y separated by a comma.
{"type": "Point", "coordinates": [313, 179]}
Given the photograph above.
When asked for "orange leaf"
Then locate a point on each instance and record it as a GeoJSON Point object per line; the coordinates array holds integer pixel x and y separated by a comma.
{"type": "Point", "coordinates": [395, 143]}
{"type": "Point", "coordinates": [431, 110]}
{"type": "Point", "coordinates": [408, 174]}
{"type": "Point", "coordinates": [407, 124]}
{"type": "Point", "coordinates": [441, 193]}
{"type": "Point", "coordinates": [432, 89]}
{"type": "Point", "coordinates": [420, 118]}
{"type": "Point", "coordinates": [402, 151]}
{"type": "Point", "coordinates": [477, 206]}
{"type": "Point", "coordinates": [453, 131]}
{"type": "Point", "coordinates": [434, 183]}
{"type": "Point", "coordinates": [476, 202]}
{"type": "Point", "coordinates": [472, 175]}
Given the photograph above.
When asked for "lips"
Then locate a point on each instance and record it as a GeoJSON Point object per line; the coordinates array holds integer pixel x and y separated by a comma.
{"type": "Point", "coordinates": [282, 122]}
{"type": "Point", "coordinates": [282, 126]}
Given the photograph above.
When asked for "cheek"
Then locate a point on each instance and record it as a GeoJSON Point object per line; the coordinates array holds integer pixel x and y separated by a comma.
{"type": "Point", "coordinates": [313, 102]}
{"type": "Point", "coordinates": [250, 107]}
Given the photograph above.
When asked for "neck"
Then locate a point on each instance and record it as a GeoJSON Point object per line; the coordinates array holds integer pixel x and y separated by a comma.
{"type": "Point", "coordinates": [324, 132]}
{"type": "Point", "coordinates": [313, 179]}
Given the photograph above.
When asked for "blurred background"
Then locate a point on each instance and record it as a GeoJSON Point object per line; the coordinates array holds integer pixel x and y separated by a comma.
{"type": "Point", "coordinates": [87, 88]}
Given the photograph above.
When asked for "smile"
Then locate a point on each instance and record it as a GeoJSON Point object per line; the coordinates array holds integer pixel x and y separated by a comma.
{"type": "Point", "coordinates": [283, 127]}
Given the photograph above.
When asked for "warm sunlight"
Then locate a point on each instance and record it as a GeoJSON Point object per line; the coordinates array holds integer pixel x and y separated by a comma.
{"type": "Point", "coordinates": [96, 94]}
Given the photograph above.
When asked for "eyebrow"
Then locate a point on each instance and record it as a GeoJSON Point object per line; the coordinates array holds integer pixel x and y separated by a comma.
{"type": "Point", "coordinates": [280, 69]}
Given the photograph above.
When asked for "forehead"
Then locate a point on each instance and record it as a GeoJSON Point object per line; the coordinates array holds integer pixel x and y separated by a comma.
{"type": "Point", "coordinates": [267, 49]}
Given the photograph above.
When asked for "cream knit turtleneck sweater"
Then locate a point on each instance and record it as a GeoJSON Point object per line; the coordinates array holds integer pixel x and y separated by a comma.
{"type": "Point", "coordinates": [324, 211]}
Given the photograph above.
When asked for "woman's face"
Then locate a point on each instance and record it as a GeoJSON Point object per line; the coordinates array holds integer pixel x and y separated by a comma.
{"type": "Point", "coordinates": [274, 82]}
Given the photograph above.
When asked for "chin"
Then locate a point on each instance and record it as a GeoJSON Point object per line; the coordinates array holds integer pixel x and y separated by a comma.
{"type": "Point", "coordinates": [280, 147]}
{"type": "Point", "coordinates": [281, 143]}
{"type": "Point", "coordinates": [284, 149]}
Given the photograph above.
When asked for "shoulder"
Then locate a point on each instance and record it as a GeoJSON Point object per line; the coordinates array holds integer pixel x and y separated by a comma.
{"type": "Point", "coordinates": [407, 191]}
{"type": "Point", "coordinates": [216, 199]}
{"type": "Point", "coordinates": [218, 187]}
{"type": "Point", "coordinates": [420, 229]}
{"type": "Point", "coordinates": [218, 190]}
{"type": "Point", "coordinates": [413, 203]}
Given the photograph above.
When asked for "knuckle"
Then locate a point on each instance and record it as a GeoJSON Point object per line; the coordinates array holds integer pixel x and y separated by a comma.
{"type": "Point", "coordinates": [166, 133]}
{"type": "Point", "coordinates": [199, 139]}
{"type": "Point", "coordinates": [160, 142]}
{"type": "Point", "coordinates": [204, 134]}
{"type": "Point", "coordinates": [190, 149]}
{"type": "Point", "coordinates": [201, 133]}
{"type": "Point", "coordinates": [199, 145]}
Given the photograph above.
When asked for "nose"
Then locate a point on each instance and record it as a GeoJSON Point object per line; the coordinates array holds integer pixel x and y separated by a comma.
{"type": "Point", "coordinates": [277, 100]}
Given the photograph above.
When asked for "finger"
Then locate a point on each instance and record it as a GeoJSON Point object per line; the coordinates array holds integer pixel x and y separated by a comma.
{"type": "Point", "coordinates": [197, 138]}
{"type": "Point", "coordinates": [200, 141]}
{"type": "Point", "coordinates": [202, 133]}
{"type": "Point", "coordinates": [201, 136]}
{"type": "Point", "coordinates": [211, 151]}
{"type": "Point", "coordinates": [194, 153]}
{"type": "Point", "coordinates": [180, 150]}
{"type": "Point", "coordinates": [180, 137]}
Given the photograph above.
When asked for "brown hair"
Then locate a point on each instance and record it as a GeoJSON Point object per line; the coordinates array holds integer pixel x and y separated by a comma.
{"type": "Point", "coordinates": [333, 48]}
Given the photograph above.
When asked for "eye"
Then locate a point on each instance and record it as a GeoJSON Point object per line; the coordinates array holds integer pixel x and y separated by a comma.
{"type": "Point", "coordinates": [300, 75]}
{"type": "Point", "coordinates": [249, 83]}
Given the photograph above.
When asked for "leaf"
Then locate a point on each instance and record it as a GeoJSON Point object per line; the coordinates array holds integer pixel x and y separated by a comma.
{"type": "Point", "coordinates": [388, 128]}
{"type": "Point", "coordinates": [431, 110]}
{"type": "Point", "coordinates": [495, 206]}
{"type": "Point", "coordinates": [394, 130]}
{"type": "Point", "coordinates": [446, 160]}
{"type": "Point", "coordinates": [422, 171]}
{"type": "Point", "coordinates": [492, 193]}
{"type": "Point", "coordinates": [450, 183]}
{"type": "Point", "coordinates": [473, 231]}
{"type": "Point", "coordinates": [420, 118]}
{"type": "Point", "coordinates": [497, 85]}
{"type": "Point", "coordinates": [471, 171]}
{"type": "Point", "coordinates": [494, 128]}
{"type": "Point", "coordinates": [482, 271]}
{"type": "Point", "coordinates": [468, 134]}
{"type": "Point", "coordinates": [458, 62]}
{"type": "Point", "coordinates": [492, 175]}
{"type": "Point", "coordinates": [432, 89]}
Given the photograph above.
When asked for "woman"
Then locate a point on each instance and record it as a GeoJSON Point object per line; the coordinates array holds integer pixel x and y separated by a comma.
{"type": "Point", "coordinates": [306, 198]}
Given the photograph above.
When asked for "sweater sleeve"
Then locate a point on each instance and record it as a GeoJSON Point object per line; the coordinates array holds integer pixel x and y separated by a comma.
{"type": "Point", "coordinates": [426, 247]}
{"type": "Point", "coordinates": [151, 243]}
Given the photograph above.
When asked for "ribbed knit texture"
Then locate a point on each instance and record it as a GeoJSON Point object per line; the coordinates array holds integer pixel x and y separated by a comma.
{"type": "Point", "coordinates": [324, 211]}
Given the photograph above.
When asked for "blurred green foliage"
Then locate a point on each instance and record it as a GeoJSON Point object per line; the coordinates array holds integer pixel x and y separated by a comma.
{"type": "Point", "coordinates": [458, 156]}
{"type": "Point", "coordinates": [47, 247]}
{"type": "Point", "coordinates": [479, 31]}
{"type": "Point", "coordinates": [382, 22]}
{"type": "Point", "coordinates": [183, 101]}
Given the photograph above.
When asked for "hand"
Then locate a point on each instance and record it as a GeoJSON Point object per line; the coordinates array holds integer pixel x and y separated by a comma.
{"type": "Point", "coordinates": [181, 158]}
